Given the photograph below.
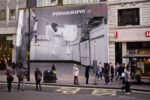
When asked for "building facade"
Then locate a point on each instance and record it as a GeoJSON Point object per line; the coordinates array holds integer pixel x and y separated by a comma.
{"type": "Point", "coordinates": [41, 3]}
{"type": "Point", "coordinates": [8, 28]}
{"type": "Point", "coordinates": [129, 28]}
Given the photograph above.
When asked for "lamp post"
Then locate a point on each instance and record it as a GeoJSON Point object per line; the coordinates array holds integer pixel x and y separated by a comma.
{"type": "Point", "coordinates": [94, 63]}
{"type": "Point", "coordinates": [28, 48]}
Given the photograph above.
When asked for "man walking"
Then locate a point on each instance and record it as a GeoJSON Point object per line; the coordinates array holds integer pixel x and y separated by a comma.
{"type": "Point", "coordinates": [128, 80]}
{"type": "Point", "coordinates": [10, 78]}
{"type": "Point", "coordinates": [21, 74]}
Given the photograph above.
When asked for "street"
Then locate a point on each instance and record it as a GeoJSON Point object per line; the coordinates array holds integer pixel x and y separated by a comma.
{"type": "Point", "coordinates": [68, 93]}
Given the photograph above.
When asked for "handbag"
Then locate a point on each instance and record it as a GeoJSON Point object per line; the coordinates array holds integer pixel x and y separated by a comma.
{"type": "Point", "coordinates": [11, 78]}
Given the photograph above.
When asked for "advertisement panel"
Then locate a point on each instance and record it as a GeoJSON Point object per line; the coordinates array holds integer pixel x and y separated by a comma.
{"type": "Point", "coordinates": [57, 32]}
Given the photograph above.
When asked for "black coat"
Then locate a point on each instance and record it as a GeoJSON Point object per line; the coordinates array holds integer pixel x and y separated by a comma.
{"type": "Point", "coordinates": [87, 71]}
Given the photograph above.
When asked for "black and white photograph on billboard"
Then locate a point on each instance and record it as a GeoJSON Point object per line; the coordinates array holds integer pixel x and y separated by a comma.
{"type": "Point", "coordinates": [68, 33]}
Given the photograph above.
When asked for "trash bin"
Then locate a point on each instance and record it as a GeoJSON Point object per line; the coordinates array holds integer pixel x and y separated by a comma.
{"type": "Point", "coordinates": [49, 76]}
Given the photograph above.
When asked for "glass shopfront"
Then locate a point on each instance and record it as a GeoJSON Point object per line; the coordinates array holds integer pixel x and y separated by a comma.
{"type": "Point", "coordinates": [6, 46]}
{"type": "Point", "coordinates": [140, 48]}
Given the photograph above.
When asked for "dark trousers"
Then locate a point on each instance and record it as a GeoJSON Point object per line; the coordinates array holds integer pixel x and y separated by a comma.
{"type": "Point", "coordinates": [38, 84]}
{"type": "Point", "coordinates": [138, 79]}
{"type": "Point", "coordinates": [9, 81]}
{"type": "Point", "coordinates": [112, 76]}
{"type": "Point", "coordinates": [106, 79]}
{"type": "Point", "coordinates": [87, 79]}
{"type": "Point", "coordinates": [76, 80]}
{"type": "Point", "coordinates": [127, 87]}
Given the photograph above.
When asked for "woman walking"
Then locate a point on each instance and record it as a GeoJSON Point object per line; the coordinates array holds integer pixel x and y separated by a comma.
{"type": "Point", "coordinates": [76, 74]}
{"type": "Point", "coordinates": [10, 77]}
{"type": "Point", "coordinates": [38, 77]}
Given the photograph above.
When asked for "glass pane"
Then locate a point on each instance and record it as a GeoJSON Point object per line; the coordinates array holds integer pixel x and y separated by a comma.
{"type": "Point", "coordinates": [6, 42]}
{"type": "Point", "coordinates": [12, 14]}
{"type": "Point", "coordinates": [3, 15]}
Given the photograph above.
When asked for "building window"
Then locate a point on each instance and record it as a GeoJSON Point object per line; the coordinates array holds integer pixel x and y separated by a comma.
{"type": "Point", "coordinates": [60, 2]}
{"type": "Point", "coordinates": [3, 15]}
{"type": "Point", "coordinates": [128, 17]}
{"type": "Point", "coordinates": [12, 14]}
{"type": "Point", "coordinates": [53, 2]}
{"type": "Point", "coordinates": [40, 3]}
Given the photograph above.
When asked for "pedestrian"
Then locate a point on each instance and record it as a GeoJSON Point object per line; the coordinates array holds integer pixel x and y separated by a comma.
{"type": "Point", "coordinates": [128, 80]}
{"type": "Point", "coordinates": [106, 73]}
{"type": "Point", "coordinates": [112, 72]}
{"type": "Point", "coordinates": [54, 70]}
{"type": "Point", "coordinates": [117, 68]}
{"type": "Point", "coordinates": [138, 75]}
{"type": "Point", "coordinates": [21, 75]}
{"type": "Point", "coordinates": [76, 74]}
{"type": "Point", "coordinates": [100, 70]}
{"type": "Point", "coordinates": [122, 67]}
{"type": "Point", "coordinates": [38, 78]}
{"type": "Point", "coordinates": [13, 65]}
{"type": "Point", "coordinates": [87, 73]}
{"type": "Point", "coordinates": [10, 77]}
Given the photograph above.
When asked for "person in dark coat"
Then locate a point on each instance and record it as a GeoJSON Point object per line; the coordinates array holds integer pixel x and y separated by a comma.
{"type": "Point", "coordinates": [10, 77]}
{"type": "Point", "coordinates": [54, 70]}
{"type": "Point", "coordinates": [38, 77]}
{"type": "Point", "coordinates": [87, 73]}
{"type": "Point", "coordinates": [112, 72]}
{"type": "Point", "coordinates": [106, 73]}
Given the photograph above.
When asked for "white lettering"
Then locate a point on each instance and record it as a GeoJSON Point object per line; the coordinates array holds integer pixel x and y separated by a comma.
{"type": "Point", "coordinates": [68, 12]}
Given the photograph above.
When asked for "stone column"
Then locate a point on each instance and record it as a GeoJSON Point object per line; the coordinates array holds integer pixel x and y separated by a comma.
{"type": "Point", "coordinates": [124, 52]}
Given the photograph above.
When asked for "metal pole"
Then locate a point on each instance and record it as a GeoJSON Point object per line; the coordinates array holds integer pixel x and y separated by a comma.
{"type": "Point", "coordinates": [29, 31]}
{"type": "Point", "coordinates": [95, 63]}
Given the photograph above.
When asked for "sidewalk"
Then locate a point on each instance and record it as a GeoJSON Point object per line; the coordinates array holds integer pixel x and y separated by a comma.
{"type": "Point", "coordinates": [67, 80]}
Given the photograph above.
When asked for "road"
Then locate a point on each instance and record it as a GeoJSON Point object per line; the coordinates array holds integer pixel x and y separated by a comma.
{"type": "Point", "coordinates": [68, 93]}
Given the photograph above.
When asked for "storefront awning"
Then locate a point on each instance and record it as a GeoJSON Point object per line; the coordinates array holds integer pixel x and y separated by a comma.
{"type": "Point", "coordinates": [137, 56]}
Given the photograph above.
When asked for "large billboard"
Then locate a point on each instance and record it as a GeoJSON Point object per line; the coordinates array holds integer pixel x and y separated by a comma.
{"type": "Point", "coordinates": [66, 33]}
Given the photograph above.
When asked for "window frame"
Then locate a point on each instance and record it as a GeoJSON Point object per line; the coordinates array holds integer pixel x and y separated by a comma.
{"type": "Point", "coordinates": [135, 10]}
{"type": "Point", "coordinates": [10, 14]}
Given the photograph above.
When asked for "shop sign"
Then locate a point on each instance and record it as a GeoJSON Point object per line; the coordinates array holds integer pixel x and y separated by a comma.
{"type": "Point", "coordinates": [147, 34]}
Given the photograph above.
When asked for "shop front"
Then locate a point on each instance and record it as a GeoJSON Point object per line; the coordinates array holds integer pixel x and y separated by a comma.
{"type": "Point", "coordinates": [139, 55]}
{"type": "Point", "coordinates": [6, 46]}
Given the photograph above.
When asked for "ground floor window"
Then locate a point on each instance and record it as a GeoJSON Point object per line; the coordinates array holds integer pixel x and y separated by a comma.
{"type": "Point", "coordinates": [6, 42]}
{"type": "Point", "coordinates": [140, 48]}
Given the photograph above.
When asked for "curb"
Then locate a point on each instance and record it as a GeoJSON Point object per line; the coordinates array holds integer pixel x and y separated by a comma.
{"type": "Point", "coordinates": [84, 86]}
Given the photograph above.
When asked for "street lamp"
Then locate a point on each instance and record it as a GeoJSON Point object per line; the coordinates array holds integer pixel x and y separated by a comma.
{"type": "Point", "coordinates": [29, 31]}
{"type": "Point", "coordinates": [95, 63]}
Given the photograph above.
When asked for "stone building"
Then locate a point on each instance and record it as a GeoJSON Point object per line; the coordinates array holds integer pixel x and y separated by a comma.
{"type": "Point", "coordinates": [8, 27]}
{"type": "Point", "coordinates": [129, 31]}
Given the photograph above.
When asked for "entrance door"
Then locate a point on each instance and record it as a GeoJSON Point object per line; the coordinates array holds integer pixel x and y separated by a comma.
{"type": "Point", "coordinates": [118, 52]}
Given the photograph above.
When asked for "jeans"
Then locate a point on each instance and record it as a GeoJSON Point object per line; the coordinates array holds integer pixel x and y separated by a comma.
{"type": "Point", "coordinates": [21, 81]}
{"type": "Point", "coordinates": [76, 80]}
{"type": "Point", "coordinates": [127, 87]}
{"type": "Point", "coordinates": [106, 79]}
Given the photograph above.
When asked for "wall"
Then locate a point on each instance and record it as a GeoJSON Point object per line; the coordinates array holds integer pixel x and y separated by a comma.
{"type": "Point", "coordinates": [100, 35]}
